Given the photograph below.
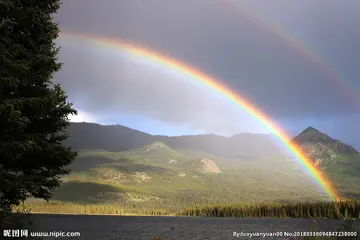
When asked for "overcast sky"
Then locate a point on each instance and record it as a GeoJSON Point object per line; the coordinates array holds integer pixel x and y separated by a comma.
{"type": "Point", "coordinates": [244, 46]}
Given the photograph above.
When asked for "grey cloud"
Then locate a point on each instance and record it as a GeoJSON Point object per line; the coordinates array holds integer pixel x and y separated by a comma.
{"type": "Point", "coordinates": [347, 129]}
{"type": "Point", "coordinates": [107, 82]}
{"type": "Point", "coordinates": [217, 37]}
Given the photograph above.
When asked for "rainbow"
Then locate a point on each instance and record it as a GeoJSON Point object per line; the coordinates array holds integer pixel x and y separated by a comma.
{"type": "Point", "coordinates": [298, 46]}
{"type": "Point", "coordinates": [213, 84]}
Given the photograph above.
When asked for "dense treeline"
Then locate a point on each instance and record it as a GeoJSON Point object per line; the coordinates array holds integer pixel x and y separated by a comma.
{"type": "Point", "coordinates": [335, 210]}
{"type": "Point", "coordinates": [55, 207]}
{"type": "Point", "coordinates": [349, 209]}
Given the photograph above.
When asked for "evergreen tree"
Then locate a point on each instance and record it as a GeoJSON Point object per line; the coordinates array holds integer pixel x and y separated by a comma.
{"type": "Point", "coordinates": [33, 110]}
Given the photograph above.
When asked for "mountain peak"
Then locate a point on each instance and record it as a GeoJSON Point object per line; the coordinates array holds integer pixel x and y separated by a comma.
{"type": "Point", "coordinates": [312, 136]}
{"type": "Point", "coordinates": [310, 129]}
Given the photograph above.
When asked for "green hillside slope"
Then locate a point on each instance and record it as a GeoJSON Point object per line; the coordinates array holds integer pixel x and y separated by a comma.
{"type": "Point", "coordinates": [128, 180]}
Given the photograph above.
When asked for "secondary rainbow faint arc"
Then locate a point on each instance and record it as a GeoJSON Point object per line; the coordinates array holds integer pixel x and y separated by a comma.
{"type": "Point", "coordinates": [214, 84]}
{"type": "Point", "coordinates": [297, 45]}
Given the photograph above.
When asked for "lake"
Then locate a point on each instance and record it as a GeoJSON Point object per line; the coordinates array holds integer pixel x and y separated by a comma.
{"type": "Point", "coordinates": [172, 228]}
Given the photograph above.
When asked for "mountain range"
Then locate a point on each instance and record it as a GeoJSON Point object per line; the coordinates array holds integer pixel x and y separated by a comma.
{"type": "Point", "coordinates": [120, 138]}
{"type": "Point", "coordinates": [241, 146]}
{"type": "Point", "coordinates": [136, 171]}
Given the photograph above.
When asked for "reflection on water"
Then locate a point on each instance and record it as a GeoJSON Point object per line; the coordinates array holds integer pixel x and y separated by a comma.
{"type": "Point", "coordinates": [172, 228]}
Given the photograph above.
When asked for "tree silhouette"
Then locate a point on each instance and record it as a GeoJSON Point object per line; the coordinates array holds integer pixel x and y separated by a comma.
{"type": "Point", "coordinates": [33, 110]}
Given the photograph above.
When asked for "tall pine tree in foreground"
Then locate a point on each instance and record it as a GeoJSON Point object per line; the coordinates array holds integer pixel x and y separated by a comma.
{"type": "Point", "coordinates": [33, 110]}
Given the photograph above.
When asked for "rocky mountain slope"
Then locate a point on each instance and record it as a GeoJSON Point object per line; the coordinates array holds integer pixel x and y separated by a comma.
{"type": "Point", "coordinates": [321, 148]}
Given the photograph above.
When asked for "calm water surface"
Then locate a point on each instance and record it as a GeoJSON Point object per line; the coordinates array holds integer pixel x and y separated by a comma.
{"type": "Point", "coordinates": [172, 228]}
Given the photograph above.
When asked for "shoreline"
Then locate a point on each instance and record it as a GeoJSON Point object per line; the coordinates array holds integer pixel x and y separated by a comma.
{"type": "Point", "coordinates": [99, 214]}
{"type": "Point", "coordinates": [182, 216]}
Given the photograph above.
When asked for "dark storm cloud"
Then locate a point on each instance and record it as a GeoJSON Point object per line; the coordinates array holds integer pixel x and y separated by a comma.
{"type": "Point", "coordinates": [110, 83]}
{"type": "Point", "coordinates": [347, 129]}
{"type": "Point", "coordinates": [218, 38]}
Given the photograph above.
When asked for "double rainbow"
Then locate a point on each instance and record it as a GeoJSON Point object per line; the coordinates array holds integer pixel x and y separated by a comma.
{"type": "Point", "coordinates": [216, 85]}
